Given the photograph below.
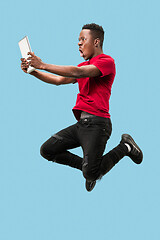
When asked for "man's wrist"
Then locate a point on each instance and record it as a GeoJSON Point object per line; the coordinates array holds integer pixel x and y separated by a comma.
{"type": "Point", "coordinates": [43, 66]}
{"type": "Point", "coordinates": [33, 73]}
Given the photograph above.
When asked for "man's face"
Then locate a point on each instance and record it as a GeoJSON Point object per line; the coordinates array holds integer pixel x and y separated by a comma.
{"type": "Point", "coordinates": [86, 44]}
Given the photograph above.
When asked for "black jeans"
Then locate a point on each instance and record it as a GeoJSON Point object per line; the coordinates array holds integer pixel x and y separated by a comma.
{"type": "Point", "coordinates": [92, 135]}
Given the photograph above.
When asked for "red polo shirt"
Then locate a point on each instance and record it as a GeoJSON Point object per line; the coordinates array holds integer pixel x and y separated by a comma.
{"type": "Point", "coordinates": [94, 93]}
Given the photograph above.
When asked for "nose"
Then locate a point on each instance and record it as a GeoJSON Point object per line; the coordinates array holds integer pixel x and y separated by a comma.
{"type": "Point", "coordinates": [80, 43]}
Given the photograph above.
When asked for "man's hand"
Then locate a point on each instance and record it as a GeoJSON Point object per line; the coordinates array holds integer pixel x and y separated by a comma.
{"type": "Point", "coordinates": [24, 65]}
{"type": "Point", "coordinates": [35, 61]}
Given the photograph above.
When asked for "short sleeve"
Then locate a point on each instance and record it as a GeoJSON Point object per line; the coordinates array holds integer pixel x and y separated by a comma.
{"type": "Point", "coordinates": [105, 65]}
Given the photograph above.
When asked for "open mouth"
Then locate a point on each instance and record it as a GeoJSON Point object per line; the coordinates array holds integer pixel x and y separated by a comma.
{"type": "Point", "coordinates": [81, 52]}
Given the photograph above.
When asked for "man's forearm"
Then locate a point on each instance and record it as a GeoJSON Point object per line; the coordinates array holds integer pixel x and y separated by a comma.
{"type": "Point", "coordinates": [50, 78]}
{"type": "Point", "coordinates": [66, 71]}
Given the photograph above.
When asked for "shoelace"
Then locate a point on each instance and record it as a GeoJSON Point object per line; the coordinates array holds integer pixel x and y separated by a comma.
{"type": "Point", "coordinates": [135, 150]}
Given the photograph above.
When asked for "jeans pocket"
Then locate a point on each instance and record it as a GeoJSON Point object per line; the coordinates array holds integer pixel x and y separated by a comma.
{"type": "Point", "coordinates": [106, 129]}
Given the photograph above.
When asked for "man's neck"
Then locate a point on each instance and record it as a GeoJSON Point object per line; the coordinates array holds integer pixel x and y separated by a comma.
{"type": "Point", "coordinates": [98, 52]}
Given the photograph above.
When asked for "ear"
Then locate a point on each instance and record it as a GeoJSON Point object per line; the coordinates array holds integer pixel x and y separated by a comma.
{"type": "Point", "coordinates": [97, 42]}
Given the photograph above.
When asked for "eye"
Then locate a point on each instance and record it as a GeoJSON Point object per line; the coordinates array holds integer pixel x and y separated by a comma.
{"type": "Point", "coordinates": [82, 39]}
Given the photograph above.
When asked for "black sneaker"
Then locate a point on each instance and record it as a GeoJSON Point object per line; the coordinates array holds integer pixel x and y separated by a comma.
{"type": "Point", "coordinates": [135, 154]}
{"type": "Point", "coordinates": [90, 185]}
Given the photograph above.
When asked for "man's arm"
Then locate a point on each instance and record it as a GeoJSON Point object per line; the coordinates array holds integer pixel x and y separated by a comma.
{"type": "Point", "coordinates": [47, 77]}
{"type": "Point", "coordinates": [52, 79]}
{"type": "Point", "coordinates": [72, 71]}
{"type": "Point", "coordinates": [65, 71]}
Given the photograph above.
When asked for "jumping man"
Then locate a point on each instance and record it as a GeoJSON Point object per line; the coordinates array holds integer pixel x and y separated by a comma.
{"type": "Point", "coordinates": [93, 128]}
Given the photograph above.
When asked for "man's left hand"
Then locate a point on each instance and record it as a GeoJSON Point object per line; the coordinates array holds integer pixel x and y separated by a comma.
{"type": "Point", "coordinates": [35, 61]}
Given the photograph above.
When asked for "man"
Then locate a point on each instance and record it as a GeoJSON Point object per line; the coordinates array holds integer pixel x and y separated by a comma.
{"type": "Point", "coordinates": [95, 77]}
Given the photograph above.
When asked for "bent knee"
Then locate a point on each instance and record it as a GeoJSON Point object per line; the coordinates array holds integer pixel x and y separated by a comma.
{"type": "Point", "coordinates": [43, 151]}
{"type": "Point", "coordinates": [47, 150]}
{"type": "Point", "coordinates": [51, 147]}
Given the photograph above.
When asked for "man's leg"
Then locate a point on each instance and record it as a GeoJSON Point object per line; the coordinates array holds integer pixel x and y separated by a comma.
{"type": "Point", "coordinates": [110, 159]}
{"type": "Point", "coordinates": [127, 147]}
{"type": "Point", "coordinates": [55, 148]}
{"type": "Point", "coordinates": [93, 134]}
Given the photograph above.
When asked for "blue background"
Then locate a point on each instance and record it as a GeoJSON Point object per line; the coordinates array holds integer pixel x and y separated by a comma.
{"type": "Point", "coordinates": [41, 200]}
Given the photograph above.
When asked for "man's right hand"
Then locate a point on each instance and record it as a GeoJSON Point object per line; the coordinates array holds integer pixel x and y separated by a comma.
{"type": "Point", "coordinates": [24, 65]}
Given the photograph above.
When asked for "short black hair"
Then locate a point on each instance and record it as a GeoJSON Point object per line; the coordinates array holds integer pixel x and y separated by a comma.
{"type": "Point", "coordinates": [97, 31]}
